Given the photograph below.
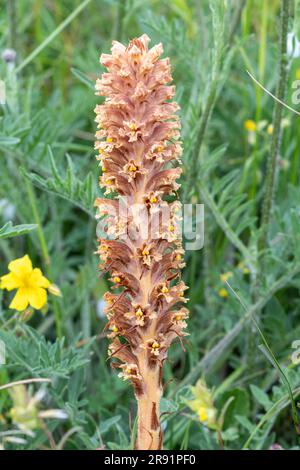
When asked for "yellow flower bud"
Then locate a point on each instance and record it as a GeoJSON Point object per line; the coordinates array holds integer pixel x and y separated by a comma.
{"type": "Point", "coordinates": [202, 413]}
{"type": "Point", "coordinates": [250, 125]}
{"type": "Point", "coordinates": [223, 293]}
{"type": "Point", "coordinates": [225, 276]}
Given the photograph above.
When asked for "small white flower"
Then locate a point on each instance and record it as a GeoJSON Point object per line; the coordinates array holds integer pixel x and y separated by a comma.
{"type": "Point", "coordinates": [100, 307]}
{"type": "Point", "coordinates": [8, 209]}
{"type": "Point", "coordinates": [293, 46]}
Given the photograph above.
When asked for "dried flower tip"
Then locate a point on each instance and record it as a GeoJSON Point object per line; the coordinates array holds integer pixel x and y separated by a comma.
{"type": "Point", "coordinates": [55, 290]}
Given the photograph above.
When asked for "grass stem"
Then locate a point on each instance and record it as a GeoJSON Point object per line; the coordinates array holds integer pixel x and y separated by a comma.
{"type": "Point", "coordinates": [52, 36]}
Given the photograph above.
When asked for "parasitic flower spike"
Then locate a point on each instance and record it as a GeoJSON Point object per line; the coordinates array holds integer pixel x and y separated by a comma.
{"type": "Point", "coordinates": [139, 152]}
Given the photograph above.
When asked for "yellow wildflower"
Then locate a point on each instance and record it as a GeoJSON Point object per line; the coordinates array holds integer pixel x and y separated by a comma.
{"type": "Point", "coordinates": [30, 283]}
{"type": "Point", "coordinates": [223, 293]}
{"type": "Point", "coordinates": [298, 74]}
{"type": "Point", "coordinates": [250, 125]}
{"type": "Point", "coordinates": [241, 266]}
{"type": "Point", "coordinates": [225, 276]}
{"type": "Point", "coordinates": [24, 413]}
{"type": "Point", "coordinates": [270, 129]}
{"type": "Point", "coordinates": [202, 404]}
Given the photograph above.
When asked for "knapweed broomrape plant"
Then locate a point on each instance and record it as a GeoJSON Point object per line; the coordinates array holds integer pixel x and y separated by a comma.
{"type": "Point", "coordinates": [137, 140]}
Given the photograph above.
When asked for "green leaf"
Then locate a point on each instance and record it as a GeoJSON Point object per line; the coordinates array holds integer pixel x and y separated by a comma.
{"type": "Point", "coordinates": [6, 140]}
{"type": "Point", "coordinates": [108, 423]}
{"type": "Point", "coordinates": [167, 406]}
{"type": "Point", "coordinates": [231, 434]}
{"type": "Point", "coordinates": [34, 354]}
{"type": "Point", "coordinates": [261, 397]}
{"type": "Point", "coordinates": [275, 409]}
{"type": "Point", "coordinates": [245, 423]}
{"type": "Point", "coordinates": [80, 193]}
{"type": "Point", "coordinates": [238, 406]}
{"type": "Point", "coordinates": [297, 19]}
{"type": "Point", "coordinates": [9, 230]}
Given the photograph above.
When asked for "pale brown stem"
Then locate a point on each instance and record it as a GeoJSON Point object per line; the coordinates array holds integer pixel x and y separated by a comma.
{"type": "Point", "coordinates": [149, 434]}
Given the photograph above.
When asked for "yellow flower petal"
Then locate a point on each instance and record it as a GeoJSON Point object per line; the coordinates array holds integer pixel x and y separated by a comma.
{"type": "Point", "coordinates": [10, 281]}
{"type": "Point", "coordinates": [37, 297]}
{"type": "Point", "coordinates": [21, 266]}
{"type": "Point", "coordinates": [202, 413]}
{"type": "Point", "coordinates": [37, 279]}
{"type": "Point", "coordinates": [20, 300]}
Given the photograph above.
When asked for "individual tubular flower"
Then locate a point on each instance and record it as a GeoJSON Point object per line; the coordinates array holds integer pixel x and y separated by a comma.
{"type": "Point", "coordinates": [137, 141]}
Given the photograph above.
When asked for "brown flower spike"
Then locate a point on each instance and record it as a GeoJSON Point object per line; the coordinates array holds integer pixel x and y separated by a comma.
{"type": "Point", "coordinates": [137, 140]}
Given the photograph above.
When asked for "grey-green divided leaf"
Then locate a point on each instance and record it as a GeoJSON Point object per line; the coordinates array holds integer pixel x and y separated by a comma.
{"type": "Point", "coordinates": [108, 423]}
{"type": "Point", "coordinates": [168, 406]}
{"type": "Point", "coordinates": [80, 193]}
{"type": "Point", "coordinates": [33, 354]}
{"type": "Point", "coordinates": [9, 230]}
{"type": "Point", "coordinates": [209, 164]}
